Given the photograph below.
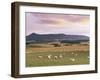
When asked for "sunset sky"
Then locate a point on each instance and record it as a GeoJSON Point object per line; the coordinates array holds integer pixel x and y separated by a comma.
{"type": "Point", "coordinates": [48, 23]}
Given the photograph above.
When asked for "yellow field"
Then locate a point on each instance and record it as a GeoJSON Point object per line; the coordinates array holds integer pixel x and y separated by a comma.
{"type": "Point", "coordinates": [70, 55]}
{"type": "Point", "coordinates": [60, 49]}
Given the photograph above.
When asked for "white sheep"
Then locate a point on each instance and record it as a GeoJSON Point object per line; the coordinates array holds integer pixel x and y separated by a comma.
{"type": "Point", "coordinates": [60, 56]}
{"type": "Point", "coordinates": [88, 57]}
{"type": "Point", "coordinates": [72, 53]}
{"type": "Point", "coordinates": [55, 57]}
{"type": "Point", "coordinates": [40, 56]}
{"type": "Point", "coordinates": [72, 59]}
{"type": "Point", "coordinates": [49, 56]}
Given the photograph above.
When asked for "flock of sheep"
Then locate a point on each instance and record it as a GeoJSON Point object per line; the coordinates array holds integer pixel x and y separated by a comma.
{"type": "Point", "coordinates": [51, 56]}
{"type": "Point", "coordinates": [60, 56]}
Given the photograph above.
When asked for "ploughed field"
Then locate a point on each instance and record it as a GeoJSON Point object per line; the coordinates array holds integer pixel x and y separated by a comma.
{"type": "Point", "coordinates": [46, 54]}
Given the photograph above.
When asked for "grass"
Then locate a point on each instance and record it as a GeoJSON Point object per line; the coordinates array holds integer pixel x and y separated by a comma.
{"type": "Point", "coordinates": [79, 53]}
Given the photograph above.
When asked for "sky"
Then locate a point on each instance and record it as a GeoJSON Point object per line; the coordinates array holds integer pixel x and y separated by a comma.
{"type": "Point", "coordinates": [55, 23]}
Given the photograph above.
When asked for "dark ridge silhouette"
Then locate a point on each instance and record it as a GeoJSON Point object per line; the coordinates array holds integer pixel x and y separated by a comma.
{"type": "Point", "coordinates": [34, 37]}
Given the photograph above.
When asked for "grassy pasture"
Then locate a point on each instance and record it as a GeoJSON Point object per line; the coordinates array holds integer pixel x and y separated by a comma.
{"type": "Point", "coordinates": [37, 55]}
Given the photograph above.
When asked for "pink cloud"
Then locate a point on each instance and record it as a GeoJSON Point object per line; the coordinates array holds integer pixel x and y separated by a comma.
{"type": "Point", "coordinates": [54, 23]}
{"type": "Point", "coordinates": [76, 18]}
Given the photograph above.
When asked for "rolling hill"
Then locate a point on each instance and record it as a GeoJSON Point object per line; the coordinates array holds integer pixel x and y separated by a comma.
{"type": "Point", "coordinates": [34, 37]}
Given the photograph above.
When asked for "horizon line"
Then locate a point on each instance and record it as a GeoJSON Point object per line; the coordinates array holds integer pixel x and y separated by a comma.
{"type": "Point", "coordinates": [56, 33]}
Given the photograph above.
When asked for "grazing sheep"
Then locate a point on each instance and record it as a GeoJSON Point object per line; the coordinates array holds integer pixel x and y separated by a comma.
{"type": "Point", "coordinates": [49, 56]}
{"type": "Point", "coordinates": [88, 57]}
{"type": "Point", "coordinates": [72, 59]}
{"type": "Point", "coordinates": [40, 56]}
{"type": "Point", "coordinates": [60, 56]}
{"type": "Point", "coordinates": [55, 57]}
{"type": "Point", "coordinates": [72, 53]}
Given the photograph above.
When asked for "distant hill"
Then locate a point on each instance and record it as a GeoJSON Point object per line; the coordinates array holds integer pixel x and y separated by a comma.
{"type": "Point", "coordinates": [34, 37]}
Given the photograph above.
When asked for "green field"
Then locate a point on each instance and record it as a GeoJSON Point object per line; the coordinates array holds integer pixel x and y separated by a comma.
{"type": "Point", "coordinates": [44, 54]}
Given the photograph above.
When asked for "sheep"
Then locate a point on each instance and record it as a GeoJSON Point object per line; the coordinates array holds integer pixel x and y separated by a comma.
{"type": "Point", "coordinates": [40, 56]}
{"type": "Point", "coordinates": [60, 56]}
{"type": "Point", "coordinates": [72, 59]}
{"type": "Point", "coordinates": [55, 57]}
{"type": "Point", "coordinates": [72, 53]}
{"type": "Point", "coordinates": [88, 57]}
{"type": "Point", "coordinates": [49, 56]}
